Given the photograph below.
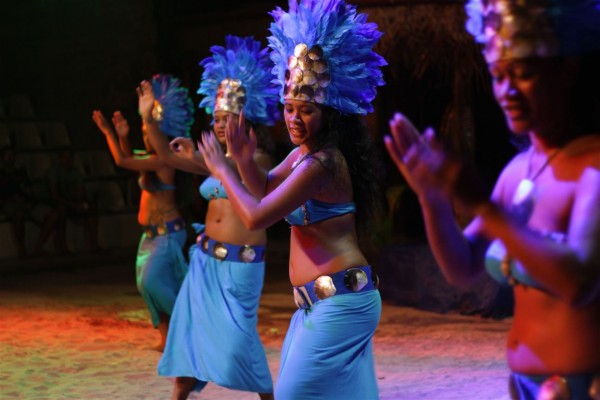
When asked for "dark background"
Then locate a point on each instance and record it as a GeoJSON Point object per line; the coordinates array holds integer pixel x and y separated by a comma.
{"type": "Point", "coordinates": [70, 57]}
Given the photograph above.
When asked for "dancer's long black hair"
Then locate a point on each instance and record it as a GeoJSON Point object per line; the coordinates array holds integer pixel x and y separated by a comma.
{"type": "Point", "coordinates": [349, 134]}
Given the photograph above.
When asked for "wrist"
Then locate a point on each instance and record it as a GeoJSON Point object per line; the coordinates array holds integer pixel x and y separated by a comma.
{"type": "Point", "coordinates": [432, 198]}
{"type": "Point", "coordinates": [243, 163]}
{"type": "Point", "coordinates": [148, 120]}
{"type": "Point", "coordinates": [222, 172]}
{"type": "Point", "coordinates": [147, 117]}
{"type": "Point", "coordinates": [491, 216]}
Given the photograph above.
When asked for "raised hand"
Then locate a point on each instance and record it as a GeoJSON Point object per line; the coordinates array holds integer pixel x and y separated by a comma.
{"type": "Point", "coordinates": [427, 167]}
{"type": "Point", "coordinates": [418, 157]}
{"type": "Point", "coordinates": [101, 122]}
{"type": "Point", "coordinates": [240, 146]}
{"type": "Point", "coordinates": [121, 125]}
{"type": "Point", "coordinates": [145, 100]}
{"type": "Point", "coordinates": [213, 155]}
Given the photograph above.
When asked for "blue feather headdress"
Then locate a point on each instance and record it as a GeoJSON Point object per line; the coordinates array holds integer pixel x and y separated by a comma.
{"type": "Point", "coordinates": [322, 50]}
{"type": "Point", "coordinates": [239, 76]}
{"type": "Point", "coordinates": [173, 108]}
{"type": "Point", "coordinates": [529, 28]}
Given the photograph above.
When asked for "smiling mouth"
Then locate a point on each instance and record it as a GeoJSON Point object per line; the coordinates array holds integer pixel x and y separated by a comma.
{"type": "Point", "coordinates": [296, 132]}
{"type": "Point", "coordinates": [514, 112]}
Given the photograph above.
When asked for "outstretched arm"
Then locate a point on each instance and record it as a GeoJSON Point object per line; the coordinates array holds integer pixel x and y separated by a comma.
{"type": "Point", "coordinates": [243, 150]}
{"type": "Point", "coordinates": [569, 270]}
{"type": "Point", "coordinates": [424, 167]}
{"type": "Point", "coordinates": [302, 184]}
{"type": "Point", "coordinates": [253, 166]}
{"type": "Point", "coordinates": [121, 159]}
{"type": "Point", "coordinates": [122, 128]}
{"type": "Point", "coordinates": [158, 140]}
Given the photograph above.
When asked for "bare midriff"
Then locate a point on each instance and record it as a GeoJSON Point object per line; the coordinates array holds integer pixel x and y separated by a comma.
{"type": "Point", "coordinates": [548, 336]}
{"type": "Point", "coordinates": [224, 225]}
{"type": "Point", "coordinates": [157, 208]}
{"type": "Point", "coordinates": [323, 248]}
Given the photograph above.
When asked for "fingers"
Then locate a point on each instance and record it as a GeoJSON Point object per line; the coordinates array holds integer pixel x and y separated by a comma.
{"type": "Point", "coordinates": [400, 136]}
{"type": "Point", "coordinates": [228, 139]}
{"type": "Point", "coordinates": [252, 136]}
{"type": "Point", "coordinates": [215, 147]}
{"type": "Point", "coordinates": [205, 145]}
{"type": "Point", "coordinates": [393, 150]}
{"type": "Point", "coordinates": [98, 117]}
{"type": "Point", "coordinates": [145, 88]}
{"type": "Point", "coordinates": [212, 144]}
{"type": "Point", "coordinates": [117, 116]}
{"type": "Point", "coordinates": [430, 139]}
{"type": "Point", "coordinates": [200, 146]}
{"type": "Point", "coordinates": [403, 133]}
{"type": "Point", "coordinates": [230, 125]}
{"type": "Point", "coordinates": [242, 122]}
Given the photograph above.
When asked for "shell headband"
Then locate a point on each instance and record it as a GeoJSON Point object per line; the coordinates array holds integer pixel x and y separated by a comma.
{"type": "Point", "coordinates": [517, 29]}
{"type": "Point", "coordinates": [322, 50]}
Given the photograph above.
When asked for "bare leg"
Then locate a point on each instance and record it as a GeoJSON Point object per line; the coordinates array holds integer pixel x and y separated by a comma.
{"type": "Point", "coordinates": [266, 396]}
{"type": "Point", "coordinates": [163, 329]}
{"type": "Point", "coordinates": [183, 387]}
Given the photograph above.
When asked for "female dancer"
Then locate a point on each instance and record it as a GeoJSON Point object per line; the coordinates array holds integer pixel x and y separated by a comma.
{"type": "Point", "coordinates": [323, 188]}
{"type": "Point", "coordinates": [213, 335]}
{"type": "Point", "coordinates": [160, 265]}
{"type": "Point", "coordinates": [540, 231]}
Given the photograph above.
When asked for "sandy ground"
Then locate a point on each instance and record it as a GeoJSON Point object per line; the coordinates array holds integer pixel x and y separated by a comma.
{"type": "Point", "coordinates": [83, 332]}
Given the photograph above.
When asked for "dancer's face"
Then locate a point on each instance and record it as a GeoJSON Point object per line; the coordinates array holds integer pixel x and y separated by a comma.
{"type": "Point", "coordinates": [303, 120]}
{"type": "Point", "coordinates": [221, 118]}
{"type": "Point", "coordinates": [532, 93]}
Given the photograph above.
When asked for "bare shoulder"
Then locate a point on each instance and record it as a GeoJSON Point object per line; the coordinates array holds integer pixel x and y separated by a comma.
{"type": "Point", "coordinates": [511, 175]}
{"type": "Point", "coordinates": [336, 183]}
{"type": "Point", "coordinates": [590, 179]}
{"type": "Point", "coordinates": [330, 157]}
{"type": "Point", "coordinates": [588, 147]}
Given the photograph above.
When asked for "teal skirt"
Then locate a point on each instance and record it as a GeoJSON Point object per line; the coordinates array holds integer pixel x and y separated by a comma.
{"type": "Point", "coordinates": [328, 350]}
{"type": "Point", "coordinates": [212, 335]}
{"type": "Point", "coordinates": [160, 269]}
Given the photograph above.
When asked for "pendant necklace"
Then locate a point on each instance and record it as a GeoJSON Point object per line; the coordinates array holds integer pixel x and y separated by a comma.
{"type": "Point", "coordinates": [524, 197]}
{"type": "Point", "coordinates": [523, 204]}
{"type": "Point", "coordinates": [300, 159]}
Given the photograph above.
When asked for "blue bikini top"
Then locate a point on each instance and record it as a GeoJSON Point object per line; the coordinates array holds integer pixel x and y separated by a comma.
{"type": "Point", "coordinates": [149, 182]}
{"type": "Point", "coordinates": [314, 211]}
{"type": "Point", "coordinates": [212, 189]}
{"type": "Point", "coordinates": [493, 264]}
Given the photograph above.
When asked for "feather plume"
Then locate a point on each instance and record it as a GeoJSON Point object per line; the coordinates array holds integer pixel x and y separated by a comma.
{"type": "Point", "coordinates": [347, 41]}
{"type": "Point", "coordinates": [177, 107]}
{"type": "Point", "coordinates": [242, 59]}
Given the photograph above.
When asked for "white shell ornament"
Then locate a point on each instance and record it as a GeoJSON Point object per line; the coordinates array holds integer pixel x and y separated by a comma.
{"type": "Point", "coordinates": [324, 287]}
